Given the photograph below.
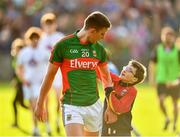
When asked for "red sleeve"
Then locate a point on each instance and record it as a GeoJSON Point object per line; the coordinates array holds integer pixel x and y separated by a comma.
{"type": "Point", "coordinates": [125, 103]}
{"type": "Point", "coordinates": [114, 77]}
{"type": "Point", "coordinates": [98, 74]}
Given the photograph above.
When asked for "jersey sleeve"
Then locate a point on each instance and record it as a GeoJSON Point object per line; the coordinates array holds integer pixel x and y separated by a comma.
{"type": "Point", "coordinates": [56, 57]}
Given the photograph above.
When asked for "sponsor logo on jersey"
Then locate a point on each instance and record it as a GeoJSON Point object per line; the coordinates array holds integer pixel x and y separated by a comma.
{"type": "Point", "coordinates": [75, 63]}
{"type": "Point", "coordinates": [73, 51]}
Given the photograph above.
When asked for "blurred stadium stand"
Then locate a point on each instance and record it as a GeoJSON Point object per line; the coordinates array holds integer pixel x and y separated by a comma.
{"type": "Point", "coordinates": [136, 24]}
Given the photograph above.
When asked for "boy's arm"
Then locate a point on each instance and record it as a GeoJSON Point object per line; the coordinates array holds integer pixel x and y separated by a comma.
{"type": "Point", "coordinates": [45, 87]}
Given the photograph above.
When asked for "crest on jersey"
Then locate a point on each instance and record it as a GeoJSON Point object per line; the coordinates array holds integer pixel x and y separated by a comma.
{"type": "Point", "coordinates": [69, 117]}
{"type": "Point", "coordinates": [94, 53]}
{"type": "Point", "coordinates": [123, 92]}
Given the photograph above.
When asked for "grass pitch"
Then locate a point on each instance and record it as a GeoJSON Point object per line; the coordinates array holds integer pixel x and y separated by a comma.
{"type": "Point", "coordinates": [147, 117]}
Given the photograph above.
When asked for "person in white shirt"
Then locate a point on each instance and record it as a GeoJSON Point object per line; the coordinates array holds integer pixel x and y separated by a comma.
{"type": "Point", "coordinates": [30, 69]}
{"type": "Point", "coordinates": [48, 39]}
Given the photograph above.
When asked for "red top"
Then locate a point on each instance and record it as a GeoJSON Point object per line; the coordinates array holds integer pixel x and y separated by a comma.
{"type": "Point", "coordinates": [127, 95]}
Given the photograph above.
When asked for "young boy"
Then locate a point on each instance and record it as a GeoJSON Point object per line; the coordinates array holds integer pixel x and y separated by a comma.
{"type": "Point", "coordinates": [121, 100]}
{"type": "Point", "coordinates": [30, 67]}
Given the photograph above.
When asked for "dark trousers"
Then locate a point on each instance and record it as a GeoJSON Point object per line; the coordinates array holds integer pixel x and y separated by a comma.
{"type": "Point", "coordinates": [18, 99]}
{"type": "Point", "coordinates": [115, 129]}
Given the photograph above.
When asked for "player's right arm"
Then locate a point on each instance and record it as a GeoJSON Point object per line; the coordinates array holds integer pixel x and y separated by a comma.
{"type": "Point", "coordinates": [40, 111]}
{"type": "Point", "coordinates": [55, 62]}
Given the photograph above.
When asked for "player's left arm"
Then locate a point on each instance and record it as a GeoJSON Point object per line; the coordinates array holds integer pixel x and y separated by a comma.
{"type": "Point", "coordinates": [105, 75]}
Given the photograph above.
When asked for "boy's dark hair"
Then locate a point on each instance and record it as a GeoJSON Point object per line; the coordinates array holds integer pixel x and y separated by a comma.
{"type": "Point", "coordinates": [97, 20]}
{"type": "Point", "coordinates": [140, 71]}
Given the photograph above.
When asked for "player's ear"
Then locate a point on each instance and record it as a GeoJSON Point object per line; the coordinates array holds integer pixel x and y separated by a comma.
{"type": "Point", "coordinates": [134, 79]}
{"type": "Point", "coordinates": [92, 30]}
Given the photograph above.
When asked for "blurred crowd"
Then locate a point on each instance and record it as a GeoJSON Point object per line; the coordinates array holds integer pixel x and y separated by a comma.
{"type": "Point", "coordinates": [136, 24]}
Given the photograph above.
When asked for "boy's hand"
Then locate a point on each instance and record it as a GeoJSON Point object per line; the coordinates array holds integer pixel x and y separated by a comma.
{"type": "Point", "coordinates": [110, 116]}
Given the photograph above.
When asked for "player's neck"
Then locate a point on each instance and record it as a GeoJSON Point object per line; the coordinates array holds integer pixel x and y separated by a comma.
{"type": "Point", "coordinates": [82, 35]}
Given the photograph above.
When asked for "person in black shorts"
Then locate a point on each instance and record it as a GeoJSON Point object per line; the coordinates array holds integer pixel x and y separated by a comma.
{"type": "Point", "coordinates": [164, 70]}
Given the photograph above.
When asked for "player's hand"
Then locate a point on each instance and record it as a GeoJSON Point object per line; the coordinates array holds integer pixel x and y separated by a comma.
{"type": "Point", "coordinates": [40, 113]}
{"type": "Point", "coordinates": [110, 116]}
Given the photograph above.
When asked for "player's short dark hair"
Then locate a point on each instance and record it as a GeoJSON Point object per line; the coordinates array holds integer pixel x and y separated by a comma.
{"type": "Point", "coordinates": [97, 20]}
{"type": "Point", "coordinates": [48, 18]}
{"type": "Point", "coordinates": [33, 32]}
{"type": "Point", "coordinates": [34, 35]}
{"type": "Point", "coordinates": [140, 71]}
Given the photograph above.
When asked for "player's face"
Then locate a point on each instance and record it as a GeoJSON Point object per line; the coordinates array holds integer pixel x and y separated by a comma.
{"type": "Point", "coordinates": [170, 38]}
{"type": "Point", "coordinates": [96, 35]}
{"type": "Point", "coordinates": [34, 41]}
{"type": "Point", "coordinates": [128, 74]}
{"type": "Point", "coordinates": [49, 28]}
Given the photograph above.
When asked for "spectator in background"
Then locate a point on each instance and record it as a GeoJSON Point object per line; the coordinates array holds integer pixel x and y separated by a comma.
{"type": "Point", "coordinates": [30, 68]}
{"type": "Point", "coordinates": [177, 43]}
{"type": "Point", "coordinates": [164, 69]}
{"type": "Point", "coordinates": [48, 39]}
{"type": "Point", "coordinates": [16, 47]}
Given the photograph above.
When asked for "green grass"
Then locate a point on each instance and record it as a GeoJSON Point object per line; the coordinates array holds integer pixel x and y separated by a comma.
{"type": "Point", "coordinates": [147, 117]}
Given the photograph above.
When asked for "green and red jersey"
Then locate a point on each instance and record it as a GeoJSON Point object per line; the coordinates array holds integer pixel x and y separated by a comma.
{"type": "Point", "coordinates": [78, 62]}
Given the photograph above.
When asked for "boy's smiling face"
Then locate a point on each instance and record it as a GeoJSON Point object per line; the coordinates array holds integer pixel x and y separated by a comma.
{"type": "Point", "coordinates": [128, 74]}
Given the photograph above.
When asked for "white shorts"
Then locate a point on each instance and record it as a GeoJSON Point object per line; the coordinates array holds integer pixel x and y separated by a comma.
{"type": "Point", "coordinates": [32, 91]}
{"type": "Point", "coordinates": [89, 116]}
{"type": "Point", "coordinates": [57, 83]}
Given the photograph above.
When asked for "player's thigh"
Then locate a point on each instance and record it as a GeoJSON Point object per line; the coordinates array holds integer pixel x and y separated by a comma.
{"type": "Point", "coordinates": [74, 129]}
{"type": "Point", "coordinates": [71, 115]}
{"type": "Point", "coordinates": [93, 117]}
